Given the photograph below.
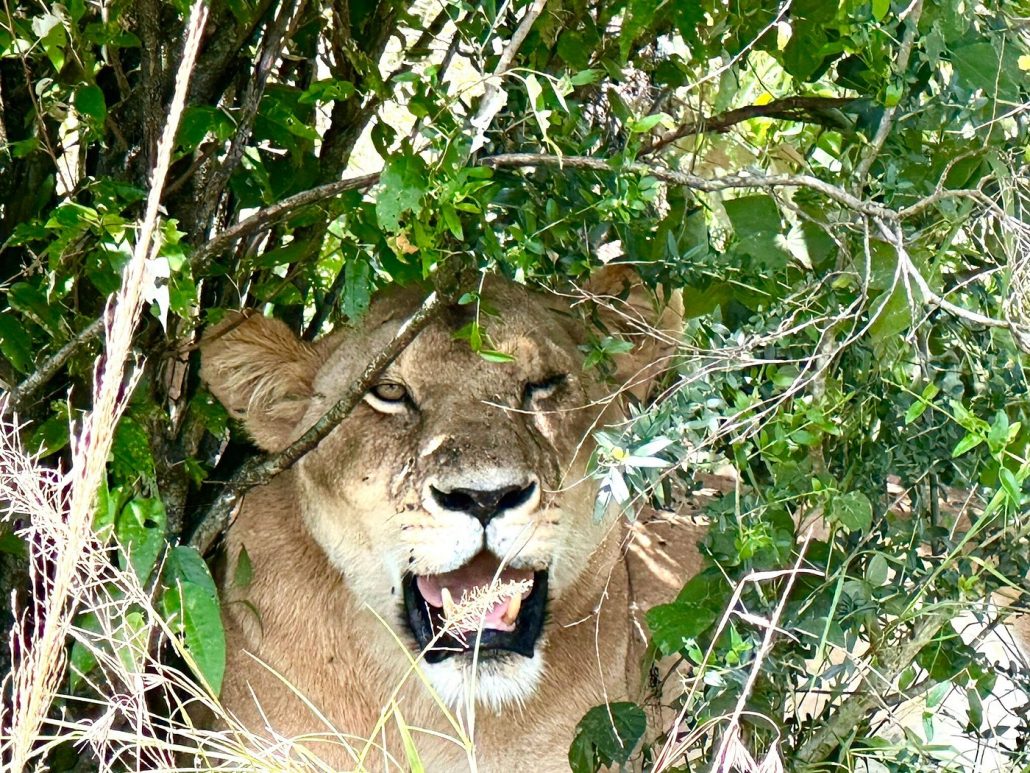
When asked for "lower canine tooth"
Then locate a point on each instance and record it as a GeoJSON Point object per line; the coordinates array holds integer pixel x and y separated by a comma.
{"type": "Point", "coordinates": [512, 611]}
{"type": "Point", "coordinates": [449, 607]}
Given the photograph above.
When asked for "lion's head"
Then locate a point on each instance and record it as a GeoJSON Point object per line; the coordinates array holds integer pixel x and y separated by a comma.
{"type": "Point", "coordinates": [453, 470]}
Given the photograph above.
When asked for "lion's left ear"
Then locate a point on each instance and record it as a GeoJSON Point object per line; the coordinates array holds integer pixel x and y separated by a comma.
{"type": "Point", "coordinates": [631, 311]}
{"type": "Point", "coordinates": [262, 373]}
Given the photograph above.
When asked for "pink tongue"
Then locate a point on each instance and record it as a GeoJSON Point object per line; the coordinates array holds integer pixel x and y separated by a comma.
{"type": "Point", "coordinates": [477, 573]}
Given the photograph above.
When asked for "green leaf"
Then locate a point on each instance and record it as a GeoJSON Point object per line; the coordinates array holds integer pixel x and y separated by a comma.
{"type": "Point", "coordinates": [89, 101]}
{"type": "Point", "coordinates": [357, 290]}
{"type": "Point", "coordinates": [585, 77]}
{"type": "Point", "coordinates": [893, 315]}
{"type": "Point", "coordinates": [640, 14]}
{"type": "Point", "coordinates": [492, 355]}
{"type": "Point", "coordinates": [852, 510]}
{"type": "Point", "coordinates": [757, 225]}
{"type": "Point", "coordinates": [945, 657]}
{"type": "Point", "coordinates": [880, 9]}
{"type": "Point", "coordinates": [27, 299]}
{"type": "Point", "coordinates": [607, 735]}
{"type": "Point", "coordinates": [876, 570]}
{"type": "Point", "coordinates": [1011, 485]}
{"type": "Point", "coordinates": [998, 437]}
{"type": "Point", "coordinates": [673, 625]}
{"type": "Point", "coordinates": [922, 402]}
{"type": "Point", "coordinates": [16, 344]}
{"type": "Point", "coordinates": [185, 564]}
{"type": "Point", "coordinates": [698, 605]}
{"type": "Point", "coordinates": [244, 571]}
{"type": "Point", "coordinates": [968, 443]}
{"type": "Point", "coordinates": [131, 458]}
{"type": "Point", "coordinates": [140, 529]}
{"type": "Point", "coordinates": [51, 435]}
{"type": "Point", "coordinates": [194, 614]}
{"type": "Point", "coordinates": [450, 217]}
{"type": "Point", "coordinates": [411, 754]}
{"type": "Point", "coordinates": [401, 188]}
{"type": "Point", "coordinates": [200, 120]}
{"type": "Point", "coordinates": [11, 543]}
{"type": "Point", "coordinates": [979, 67]}
{"type": "Point", "coordinates": [82, 660]}
{"type": "Point", "coordinates": [803, 55]}
{"type": "Point", "coordinates": [647, 123]}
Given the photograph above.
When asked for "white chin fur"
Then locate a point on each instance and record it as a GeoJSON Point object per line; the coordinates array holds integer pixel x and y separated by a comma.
{"type": "Point", "coordinates": [499, 682]}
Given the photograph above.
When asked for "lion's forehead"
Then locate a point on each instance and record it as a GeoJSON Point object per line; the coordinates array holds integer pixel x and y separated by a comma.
{"type": "Point", "coordinates": [444, 358]}
{"type": "Point", "coordinates": [469, 410]}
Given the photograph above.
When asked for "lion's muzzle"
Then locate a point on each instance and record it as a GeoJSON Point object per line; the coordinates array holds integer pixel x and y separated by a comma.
{"type": "Point", "coordinates": [479, 605]}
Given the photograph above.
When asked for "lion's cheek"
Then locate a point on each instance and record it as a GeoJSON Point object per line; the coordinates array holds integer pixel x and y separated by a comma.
{"type": "Point", "coordinates": [354, 528]}
{"type": "Point", "coordinates": [580, 539]}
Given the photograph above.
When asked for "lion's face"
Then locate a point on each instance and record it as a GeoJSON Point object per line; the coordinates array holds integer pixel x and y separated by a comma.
{"type": "Point", "coordinates": [452, 473]}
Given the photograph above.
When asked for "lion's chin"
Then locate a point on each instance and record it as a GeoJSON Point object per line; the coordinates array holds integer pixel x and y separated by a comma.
{"type": "Point", "coordinates": [507, 625]}
{"type": "Point", "coordinates": [500, 680]}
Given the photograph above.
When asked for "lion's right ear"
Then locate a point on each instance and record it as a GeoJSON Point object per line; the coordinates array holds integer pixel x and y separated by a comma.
{"type": "Point", "coordinates": [262, 373]}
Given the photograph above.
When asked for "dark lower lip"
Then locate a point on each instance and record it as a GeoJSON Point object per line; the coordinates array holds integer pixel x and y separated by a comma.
{"type": "Point", "coordinates": [423, 622]}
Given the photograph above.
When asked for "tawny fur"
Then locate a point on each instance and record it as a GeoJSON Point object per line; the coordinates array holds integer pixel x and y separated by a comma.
{"type": "Point", "coordinates": [329, 540]}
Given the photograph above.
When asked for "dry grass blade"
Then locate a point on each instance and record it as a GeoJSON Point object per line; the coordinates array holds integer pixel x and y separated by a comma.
{"type": "Point", "coordinates": [59, 540]}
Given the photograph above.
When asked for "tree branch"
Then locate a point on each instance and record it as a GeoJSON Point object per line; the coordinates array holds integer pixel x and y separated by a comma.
{"type": "Point", "coordinates": [275, 212]}
{"type": "Point", "coordinates": [21, 395]}
{"type": "Point", "coordinates": [696, 182]}
{"type": "Point", "coordinates": [494, 98]}
{"type": "Point", "coordinates": [804, 109]}
{"type": "Point", "coordinates": [270, 53]}
{"type": "Point", "coordinates": [260, 470]}
{"type": "Point", "coordinates": [271, 214]}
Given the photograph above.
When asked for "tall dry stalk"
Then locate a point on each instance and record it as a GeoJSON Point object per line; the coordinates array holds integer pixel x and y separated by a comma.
{"type": "Point", "coordinates": [57, 553]}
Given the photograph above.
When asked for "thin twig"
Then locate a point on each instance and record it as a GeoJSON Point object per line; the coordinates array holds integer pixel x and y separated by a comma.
{"type": "Point", "coordinates": [909, 270]}
{"type": "Point", "coordinates": [887, 119]}
{"type": "Point", "coordinates": [260, 470]}
{"type": "Point", "coordinates": [886, 668]}
{"type": "Point", "coordinates": [732, 732]}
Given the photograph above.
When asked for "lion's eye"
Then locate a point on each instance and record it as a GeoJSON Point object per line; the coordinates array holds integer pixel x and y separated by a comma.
{"type": "Point", "coordinates": [388, 397]}
{"type": "Point", "coordinates": [536, 391]}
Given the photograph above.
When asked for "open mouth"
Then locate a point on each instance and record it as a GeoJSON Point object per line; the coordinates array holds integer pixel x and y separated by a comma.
{"type": "Point", "coordinates": [451, 608]}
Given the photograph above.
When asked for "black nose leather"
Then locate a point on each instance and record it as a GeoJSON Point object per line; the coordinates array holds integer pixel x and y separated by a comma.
{"type": "Point", "coordinates": [483, 505]}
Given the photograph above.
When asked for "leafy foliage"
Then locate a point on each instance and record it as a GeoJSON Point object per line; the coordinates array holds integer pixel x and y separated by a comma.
{"type": "Point", "coordinates": [853, 249]}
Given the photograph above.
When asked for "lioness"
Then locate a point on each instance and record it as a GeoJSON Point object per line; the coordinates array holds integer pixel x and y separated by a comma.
{"type": "Point", "coordinates": [453, 471]}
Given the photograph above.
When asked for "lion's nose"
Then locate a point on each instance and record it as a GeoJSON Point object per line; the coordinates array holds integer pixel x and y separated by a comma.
{"type": "Point", "coordinates": [484, 504]}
